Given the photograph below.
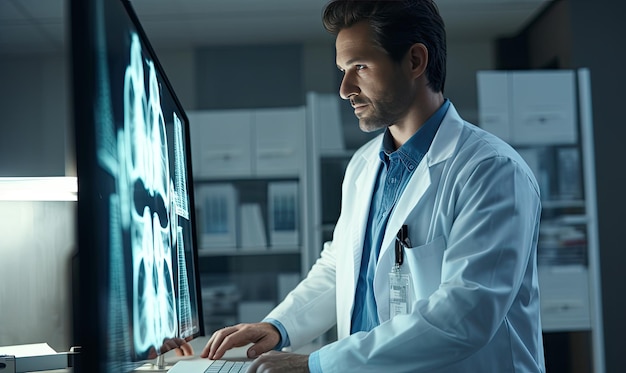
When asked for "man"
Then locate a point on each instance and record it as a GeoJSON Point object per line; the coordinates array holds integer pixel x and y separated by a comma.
{"type": "Point", "coordinates": [432, 266]}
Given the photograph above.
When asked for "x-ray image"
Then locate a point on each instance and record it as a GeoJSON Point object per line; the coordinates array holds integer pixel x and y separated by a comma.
{"type": "Point", "coordinates": [149, 212]}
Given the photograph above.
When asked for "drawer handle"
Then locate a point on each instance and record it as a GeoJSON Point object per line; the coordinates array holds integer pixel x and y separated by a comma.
{"type": "Point", "coordinates": [221, 155]}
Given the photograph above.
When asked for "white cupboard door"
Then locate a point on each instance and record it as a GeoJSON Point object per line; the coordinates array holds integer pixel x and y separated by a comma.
{"type": "Point", "coordinates": [221, 143]}
{"type": "Point", "coordinates": [493, 101]}
{"type": "Point", "coordinates": [544, 108]}
{"type": "Point", "coordinates": [279, 141]}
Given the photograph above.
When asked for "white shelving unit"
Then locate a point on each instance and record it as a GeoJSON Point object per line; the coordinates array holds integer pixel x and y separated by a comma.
{"type": "Point", "coordinates": [546, 116]}
{"type": "Point", "coordinates": [251, 186]}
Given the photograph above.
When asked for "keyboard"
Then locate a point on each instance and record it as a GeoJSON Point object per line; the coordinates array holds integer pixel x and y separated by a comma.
{"type": "Point", "coordinates": [225, 366]}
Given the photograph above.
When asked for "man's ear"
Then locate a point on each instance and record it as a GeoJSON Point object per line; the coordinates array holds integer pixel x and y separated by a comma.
{"type": "Point", "coordinates": [418, 58]}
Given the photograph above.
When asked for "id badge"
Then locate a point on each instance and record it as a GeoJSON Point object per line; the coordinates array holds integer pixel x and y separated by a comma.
{"type": "Point", "coordinates": [399, 292]}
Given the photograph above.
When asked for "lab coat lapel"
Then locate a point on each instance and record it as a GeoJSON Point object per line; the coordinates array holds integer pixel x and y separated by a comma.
{"type": "Point", "coordinates": [363, 187]}
{"type": "Point", "coordinates": [357, 199]}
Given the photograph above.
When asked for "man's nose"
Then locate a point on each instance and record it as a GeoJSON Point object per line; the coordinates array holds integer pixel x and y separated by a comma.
{"type": "Point", "coordinates": [348, 87]}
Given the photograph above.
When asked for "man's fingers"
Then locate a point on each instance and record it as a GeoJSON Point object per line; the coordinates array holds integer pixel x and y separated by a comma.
{"type": "Point", "coordinates": [263, 335]}
{"type": "Point", "coordinates": [186, 349]}
{"type": "Point", "coordinates": [216, 343]}
{"type": "Point", "coordinates": [261, 347]}
{"type": "Point", "coordinates": [207, 347]}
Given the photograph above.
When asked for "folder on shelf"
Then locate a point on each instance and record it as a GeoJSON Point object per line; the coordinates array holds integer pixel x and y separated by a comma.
{"type": "Point", "coordinates": [252, 227]}
{"type": "Point", "coordinates": [569, 173]}
{"type": "Point", "coordinates": [283, 213]}
{"type": "Point", "coordinates": [217, 208]}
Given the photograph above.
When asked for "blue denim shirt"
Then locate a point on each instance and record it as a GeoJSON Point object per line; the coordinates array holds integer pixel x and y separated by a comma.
{"type": "Point", "coordinates": [396, 168]}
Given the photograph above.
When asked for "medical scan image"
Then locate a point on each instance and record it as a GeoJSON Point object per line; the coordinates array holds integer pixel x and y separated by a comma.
{"type": "Point", "coordinates": [149, 213]}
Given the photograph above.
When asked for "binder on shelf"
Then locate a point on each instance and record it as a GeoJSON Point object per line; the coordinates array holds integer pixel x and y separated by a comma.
{"type": "Point", "coordinates": [283, 211]}
{"type": "Point", "coordinates": [569, 173]}
{"type": "Point", "coordinates": [252, 228]}
{"type": "Point", "coordinates": [217, 209]}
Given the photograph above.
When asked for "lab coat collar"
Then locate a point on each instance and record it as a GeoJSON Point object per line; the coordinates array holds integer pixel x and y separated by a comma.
{"type": "Point", "coordinates": [442, 147]}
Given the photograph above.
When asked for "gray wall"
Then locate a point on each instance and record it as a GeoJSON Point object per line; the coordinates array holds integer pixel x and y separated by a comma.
{"type": "Point", "coordinates": [34, 111]}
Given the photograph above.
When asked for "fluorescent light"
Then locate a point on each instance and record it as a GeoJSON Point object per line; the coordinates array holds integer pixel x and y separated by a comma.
{"type": "Point", "coordinates": [38, 188]}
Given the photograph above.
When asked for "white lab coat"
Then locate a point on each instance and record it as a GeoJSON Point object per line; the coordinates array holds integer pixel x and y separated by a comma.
{"type": "Point", "coordinates": [472, 208]}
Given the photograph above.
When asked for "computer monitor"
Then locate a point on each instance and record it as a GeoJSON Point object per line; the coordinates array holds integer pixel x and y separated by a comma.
{"type": "Point", "coordinates": [137, 280]}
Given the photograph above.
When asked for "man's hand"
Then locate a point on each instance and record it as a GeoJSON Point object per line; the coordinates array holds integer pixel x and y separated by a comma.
{"type": "Point", "coordinates": [179, 345]}
{"type": "Point", "coordinates": [264, 336]}
{"type": "Point", "coordinates": [275, 362]}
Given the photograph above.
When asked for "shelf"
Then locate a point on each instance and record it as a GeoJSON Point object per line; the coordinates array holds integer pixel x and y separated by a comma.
{"type": "Point", "coordinates": [565, 203]}
{"type": "Point", "coordinates": [245, 180]}
{"type": "Point", "coordinates": [249, 251]}
{"type": "Point", "coordinates": [339, 154]}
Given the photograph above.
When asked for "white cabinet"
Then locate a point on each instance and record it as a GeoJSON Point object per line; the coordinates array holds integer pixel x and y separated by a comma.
{"type": "Point", "coordinates": [543, 107]}
{"type": "Point", "coordinates": [546, 116]}
{"type": "Point", "coordinates": [250, 182]}
{"type": "Point", "coordinates": [221, 143]}
{"type": "Point", "coordinates": [494, 100]}
{"type": "Point", "coordinates": [528, 107]}
{"type": "Point", "coordinates": [247, 143]}
{"type": "Point", "coordinates": [564, 298]}
{"type": "Point", "coordinates": [279, 141]}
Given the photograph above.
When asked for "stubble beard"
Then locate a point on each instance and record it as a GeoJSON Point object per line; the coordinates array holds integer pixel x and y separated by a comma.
{"type": "Point", "coordinates": [381, 114]}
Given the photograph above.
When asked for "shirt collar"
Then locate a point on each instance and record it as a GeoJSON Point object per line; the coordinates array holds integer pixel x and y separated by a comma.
{"type": "Point", "coordinates": [412, 151]}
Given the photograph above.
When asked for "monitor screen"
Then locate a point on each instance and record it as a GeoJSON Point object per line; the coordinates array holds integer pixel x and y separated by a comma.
{"type": "Point", "coordinates": [138, 288]}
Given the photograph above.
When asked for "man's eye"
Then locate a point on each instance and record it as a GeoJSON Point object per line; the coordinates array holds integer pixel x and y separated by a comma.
{"type": "Point", "coordinates": [360, 67]}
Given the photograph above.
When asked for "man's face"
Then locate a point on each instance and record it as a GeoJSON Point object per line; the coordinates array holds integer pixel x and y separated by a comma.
{"type": "Point", "coordinates": [378, 88]}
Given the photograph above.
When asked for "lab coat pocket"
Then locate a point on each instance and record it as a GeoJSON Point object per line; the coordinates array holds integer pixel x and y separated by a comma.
{"type": "Point", "coordinates": [425, 265]}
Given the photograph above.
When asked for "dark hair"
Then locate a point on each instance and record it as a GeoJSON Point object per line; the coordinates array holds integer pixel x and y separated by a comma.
{"type": "Point", "coordinates": [397, 25]}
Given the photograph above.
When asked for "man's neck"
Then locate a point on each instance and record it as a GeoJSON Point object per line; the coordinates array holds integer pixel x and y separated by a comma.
{"type": "Point", "coordinates": [425, 106]}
